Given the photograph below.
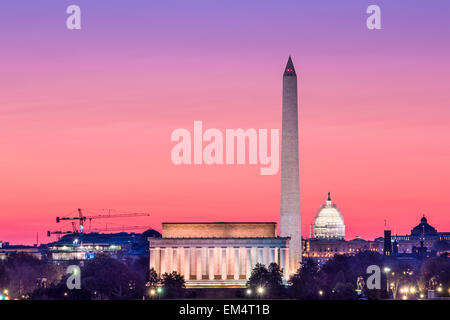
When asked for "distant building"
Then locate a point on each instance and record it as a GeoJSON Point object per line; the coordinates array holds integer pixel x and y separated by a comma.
{"type": "Point", "coordinates": [422, 236]}
{"type": "Point", "coordinates": [329, 222]}
{"type": "Point", "coordinates": [423, 242]}
{"type": "Point", "coordinates": [87, 245]}
{"type": "Point", "coordinates": [6, 250]}
{"type": "Point", "coordinates": [320, 250]}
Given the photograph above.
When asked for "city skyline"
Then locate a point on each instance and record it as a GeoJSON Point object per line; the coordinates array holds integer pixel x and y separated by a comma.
{"type": "Point", "coordinates": [85, 122]}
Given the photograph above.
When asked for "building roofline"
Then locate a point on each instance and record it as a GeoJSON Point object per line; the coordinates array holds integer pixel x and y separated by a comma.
{"type": "Point", "coordinates": [219, 223]}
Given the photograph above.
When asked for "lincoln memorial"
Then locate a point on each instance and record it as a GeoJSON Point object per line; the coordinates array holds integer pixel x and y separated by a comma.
{"type": "Point", "coordinates": [217, 254]}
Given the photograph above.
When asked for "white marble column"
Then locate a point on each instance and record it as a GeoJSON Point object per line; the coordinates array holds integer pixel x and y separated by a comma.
{"type": "Point", "coordinates": [230, 262]}
{"type": "Point", "coordinates": [198, 263]}
{"type": "Point", "coordinates": [175, 260]}
{"type": "Point", "coordinates": [158, 260]}
{"type": "Point", "coordinates": [260, 255]}
{"type": "Point", "coordinates": [217, 261]}
{"type": "Point", "coordinates": [243, 261]}
{"type": "Point", "coordinates": [249, 262]}
{"type": "Point", "coordinates": [272, 255]}
{"type": "Point", "coordinates": [152, 259]}
{"type": "Point", "coordinates": [187, 263]}
{"type": "Point", "coordinates": [205, 265]}
{"type": "Point", "coordinates": [224, 263]}
{"type": "Point", "coordinates": [254, 257]}
{"type": "Point", "coordinates": [236, 265]}
{"type": "Point", "coordinates": [266, 256]}
{"type": "Point", "coordinates": [211, 263]}
{"type": "Point", "coordinates": [169, 258]}
{"type": "Point", "coordinates": [163, 260]}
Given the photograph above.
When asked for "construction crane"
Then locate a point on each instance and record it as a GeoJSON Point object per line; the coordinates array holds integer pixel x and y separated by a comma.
{"type": "Point", "coordinates": [82, 218]}
{"type": "Point", "coordinates": [74, 231]}
{"type": "Point", "coordinates": [123, 228]}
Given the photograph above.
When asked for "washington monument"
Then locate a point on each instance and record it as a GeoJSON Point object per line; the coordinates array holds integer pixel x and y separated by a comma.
{"type": "Point", "coordinates": [290, 185]}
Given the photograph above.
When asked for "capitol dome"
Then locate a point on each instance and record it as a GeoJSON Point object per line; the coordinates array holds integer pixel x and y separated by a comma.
{"type": "Point", "coordinates": [329, 222]}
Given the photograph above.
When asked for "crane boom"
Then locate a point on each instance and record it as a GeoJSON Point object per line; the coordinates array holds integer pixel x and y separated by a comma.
{"type": "Point", "coordinates": [82, 218]}
{"type": "Point", "coordinates": [119, 228]}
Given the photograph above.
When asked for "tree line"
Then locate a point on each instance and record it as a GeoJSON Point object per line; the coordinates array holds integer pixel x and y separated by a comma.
{"type": "Point", "coordinates": [23, 276]}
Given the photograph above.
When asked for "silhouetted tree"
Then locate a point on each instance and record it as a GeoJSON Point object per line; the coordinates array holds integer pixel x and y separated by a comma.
{"type": "Point", "coordinates": [344, 291]}
{"type": "Point", "coordinates": [434, 272]}
{"type": "Point", "coordinates": [22, 273]}
{"type": "Point", "coordinates": [153, 278]}
{"type": "Point", "coordinates": [270, 279]}
{"type": "Point", "coordinates": [107, 278]}
{"type": "Point", "coordinates": [173, 285]}
{"type": "Point", "coordinates": [305, 282]}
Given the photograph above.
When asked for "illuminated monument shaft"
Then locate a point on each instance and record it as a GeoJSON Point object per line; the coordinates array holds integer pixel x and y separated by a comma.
{"type": "Point", "coordinates": [290, 185]}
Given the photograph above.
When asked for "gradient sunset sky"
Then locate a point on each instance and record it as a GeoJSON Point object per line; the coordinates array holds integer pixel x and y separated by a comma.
{"type": "Point", "coordinates": [86, 116]}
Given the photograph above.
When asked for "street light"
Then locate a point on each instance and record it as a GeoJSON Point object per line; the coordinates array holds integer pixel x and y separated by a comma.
{"type": "Point", "coordinates": [260, 290]}
{"type": "Point", "coordinates": [159, 290]}
{"type": "Point", "coordinates": [387, 270]}
{"type": "Point", "coordinates": [320, 293]}
{"type": "Point", "coordinates": [249, 291]}
{"type": "Point", "coordinates": [152, 292]}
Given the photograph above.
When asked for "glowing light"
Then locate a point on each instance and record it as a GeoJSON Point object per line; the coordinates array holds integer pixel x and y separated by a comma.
{"type": "Point", "coordinates": [387, 269]}
{"type": "Point", "coordinates": [405, 298]}
{"type": "Point", "coordinates": [439, 289]}
{"type": "Point", "coordinates": [260, 290]}
{"type": "Point", "coordinates": [249, 291]}
{"type": "Point", "coordinates": [152, 292]}
{"type": "Point", "coordinates": [159, 290]}
{"type": "Point", "coordinates": [320, 292]}
{"type": "Point", "coordinates": [412, 290]}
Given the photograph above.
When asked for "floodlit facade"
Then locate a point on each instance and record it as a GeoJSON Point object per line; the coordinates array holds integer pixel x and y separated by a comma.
{"type": "Point", "coordinates": [329, 222]}
{"type": "Point", "coordinates": [217, 254]}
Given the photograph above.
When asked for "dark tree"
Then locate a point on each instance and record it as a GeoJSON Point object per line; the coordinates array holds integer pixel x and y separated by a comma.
{"type": "Point", "coordinates": [305, 283]}
{"type": "Point", "coordinates": [267, 279]}
{"type": "Point", "coordinates": [107, 278]}
{"type": "Point", "coordinates": [60, 292]}
{"type": "Point", "coordinates": [435, 272]}
{"type": "Point", "coordinates": [153, 279]}
{"type": "Point", "coordinates": [173, 285]}
{"type": "Point", "coordinates": [23, 273]}
{"type": "Point", "coordinates": [344, 291]}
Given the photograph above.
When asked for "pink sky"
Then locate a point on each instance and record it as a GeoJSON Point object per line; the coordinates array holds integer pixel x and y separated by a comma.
{"type": "Point", "coordinates": [86, 118]}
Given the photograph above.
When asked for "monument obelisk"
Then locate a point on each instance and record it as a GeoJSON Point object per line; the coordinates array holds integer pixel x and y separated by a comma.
{"type": "Point", "coordinates": [290, 185]}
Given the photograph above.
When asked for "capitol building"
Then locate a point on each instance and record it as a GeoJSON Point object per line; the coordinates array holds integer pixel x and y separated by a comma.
{"type": "Point", "coordinates": [328, 236]}
{"type": "Point", "coordinates": [329, 222]}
